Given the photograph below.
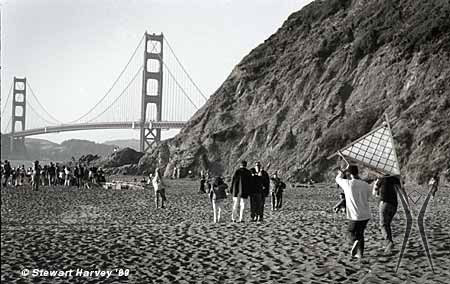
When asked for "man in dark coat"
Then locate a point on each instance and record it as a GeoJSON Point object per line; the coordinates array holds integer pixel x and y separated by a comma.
{"type": "Point", "coordinates": [240, 189]}
{"type": "Point", "coordinates": [256, 195]}
{"type": "Point", "coordinates": [265, 189]}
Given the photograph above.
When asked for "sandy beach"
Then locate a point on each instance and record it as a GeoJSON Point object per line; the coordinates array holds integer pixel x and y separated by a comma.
{"type": "Point", "coordinates": [108, 230]}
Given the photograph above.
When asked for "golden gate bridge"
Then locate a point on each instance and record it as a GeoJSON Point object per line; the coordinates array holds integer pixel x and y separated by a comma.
{"type": "Point", "coordinates": [165, 98]}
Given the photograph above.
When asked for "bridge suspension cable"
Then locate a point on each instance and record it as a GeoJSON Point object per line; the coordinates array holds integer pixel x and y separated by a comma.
{"type": "Point", "coordinates": [184, 69]}
{"type": "Point", "coordinates": [4, 109]}
{"type": "Point", "coordinates": [176, 81]}
{"type": "Point", "coordinates": [120, 95]}
{"type": "Point", "coordinates": [8, 124]}
{"type": "Point", "coordinates": [33, 95]}
{"type": "Point", "coordinates": [7, 99]}
{"type": "Point", "coordinates": [32, 121]}
{"type": "Point", "coordinates": [114, 83]}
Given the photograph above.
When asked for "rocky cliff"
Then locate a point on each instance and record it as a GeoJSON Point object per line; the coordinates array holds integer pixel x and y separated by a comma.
{"type": "Point", "coordinates": [323, 79]}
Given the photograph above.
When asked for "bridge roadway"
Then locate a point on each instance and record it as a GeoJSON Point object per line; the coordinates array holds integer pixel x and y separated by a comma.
{"type": "Point", "coordinates": [100, 125]}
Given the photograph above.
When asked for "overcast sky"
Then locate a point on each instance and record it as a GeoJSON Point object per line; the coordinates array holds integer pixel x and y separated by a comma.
{"type": "Point", "coordinates": [72, 50]}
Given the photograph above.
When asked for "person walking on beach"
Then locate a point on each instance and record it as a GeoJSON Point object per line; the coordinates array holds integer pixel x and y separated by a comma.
{"type": "Point", "coordinates": [44, 171]}
{"type": "Point", "coordinates": [357, 194]}
{"type": "Point", "coordinates": [159, 187]}
{"type": "Point", "coordinates": [217, 195]}
{"type": "Point", "coordinates": [14, 176]}
{"type": "Point", "coordinates": [68, 176]}
{"type": "Point", "coordinates": [256, 195]}
{"type": "Point", "coordinates": [6, 172]}
{"type": "Point", "coordinates": [265, 182]}
{"type": "Point", "coordinates": [434, 184]}
{"type": "Point", "coordinates": [77, 175]}
{"type": "Point", "coordinates": [240, 187]}
{"type": "Point", "coordinates": [276, 187]}
{"type": "Point", "coordinates": [22, 173]}
{"type": "Point", "coordinates": [386, 190]}
{"type": "Point", "coordinates": [35, 178]}
{"type": "Point", "coordinates": [202, 188]}
{"type": "Point", "coordinates": [51, 174]}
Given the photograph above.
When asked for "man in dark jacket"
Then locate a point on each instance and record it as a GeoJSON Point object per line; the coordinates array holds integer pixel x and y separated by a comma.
{"type": "Point", "coordinates": [240, 189]}
{"type": "Point", "coordinates": [265, 183]}
{"type": "Point", "coordinates": [256, 196]}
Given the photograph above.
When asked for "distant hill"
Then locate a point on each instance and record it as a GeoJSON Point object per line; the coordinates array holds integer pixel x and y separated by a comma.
{"type": "Point", "coordinates": [41, 149]}
{"type": "Point", "coordinates": [124, 143]}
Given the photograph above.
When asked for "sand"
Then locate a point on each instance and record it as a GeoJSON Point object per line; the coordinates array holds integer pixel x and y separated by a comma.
{"type": "Point", "coordinates": [104, 229]}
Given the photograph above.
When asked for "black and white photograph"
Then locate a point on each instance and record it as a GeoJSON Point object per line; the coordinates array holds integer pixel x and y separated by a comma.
{"type": "Point", "coordinates": [225, 141]}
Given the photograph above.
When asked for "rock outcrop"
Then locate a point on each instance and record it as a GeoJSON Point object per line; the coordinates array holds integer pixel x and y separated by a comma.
{"type": "Point", "coordinates": [121, 158]}
{"type": "Point", "coordinates": [325, 78]}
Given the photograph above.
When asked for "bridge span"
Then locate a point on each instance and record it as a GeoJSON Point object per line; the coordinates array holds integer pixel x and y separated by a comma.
{"type": "Point", "coordinates": [101, 125]}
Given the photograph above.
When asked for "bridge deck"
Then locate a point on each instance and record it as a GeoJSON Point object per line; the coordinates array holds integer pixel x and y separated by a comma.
{"type": "Point", "coordinates": [101, 125]}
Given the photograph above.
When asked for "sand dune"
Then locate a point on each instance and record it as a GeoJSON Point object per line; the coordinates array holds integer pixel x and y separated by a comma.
{"type": "Point", "coordinates": [61, 229]}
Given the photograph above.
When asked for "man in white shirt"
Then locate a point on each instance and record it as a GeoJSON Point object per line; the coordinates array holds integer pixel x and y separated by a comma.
{"type": "Point", "coordinates": [357, 194]}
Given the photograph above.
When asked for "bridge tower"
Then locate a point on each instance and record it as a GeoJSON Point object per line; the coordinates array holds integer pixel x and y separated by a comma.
{"type": "Point", "coordinates": [18, 112]}
{"type": "Point", "coordinates": [152, 86]}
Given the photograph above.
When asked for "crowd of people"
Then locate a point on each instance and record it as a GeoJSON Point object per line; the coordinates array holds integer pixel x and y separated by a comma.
{"type": "Point", "coordinates": [51, 174]}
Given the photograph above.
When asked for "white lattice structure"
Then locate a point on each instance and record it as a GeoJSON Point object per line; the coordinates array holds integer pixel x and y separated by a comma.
{"type": "Point", "coordinates": [374, 150]}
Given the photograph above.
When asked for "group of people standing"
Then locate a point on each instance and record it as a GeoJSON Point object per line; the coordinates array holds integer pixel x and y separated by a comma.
{"type": "Point", "coordinates": [254, 184]}
{"type": "Point", "coordinates": [51, 174]}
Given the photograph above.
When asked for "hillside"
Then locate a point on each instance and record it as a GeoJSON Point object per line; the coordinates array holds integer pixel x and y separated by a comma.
{"type": "Point", "coordinates": [41, 149]}
{"type": "Point", "coordinates": [124, 143]}
{"type": "Point", "coordinates": [323, 79]}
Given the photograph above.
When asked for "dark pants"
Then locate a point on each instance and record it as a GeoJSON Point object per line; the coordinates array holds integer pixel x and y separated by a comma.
{"type": "Point", "coordinates": [5, 183]}
{"type": "Point", "coordinates": [255, 205]}
{"type": "Point", "coordinates": [52, 180]}
{"type": "Point", "coordinates": [202, 186]}
{"type": "Point", "coordinates": [387, 212]}
{"type": "Point", "coordinates": [36, 181]}
{"type": "Point", "coordinates": [434, 189]}
{"type": "Point", "coordinates": [356, 232]}
{"type": "Point", "coordinates": [161, 193]}
{"type": "Point", "coordinates": [261, 208]}
{"type": "Point", "coordinates": [277, 200]}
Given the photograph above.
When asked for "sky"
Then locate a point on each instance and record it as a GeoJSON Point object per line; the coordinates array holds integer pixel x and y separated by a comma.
{"type": "Point", "coordinates": [71, 51]}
